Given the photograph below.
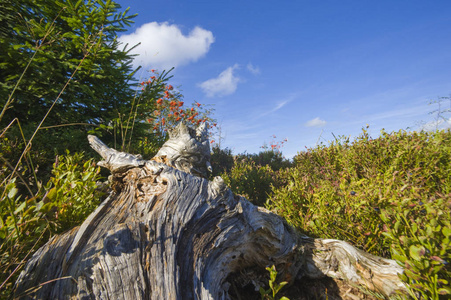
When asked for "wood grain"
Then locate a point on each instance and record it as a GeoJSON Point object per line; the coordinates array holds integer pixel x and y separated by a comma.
{"type": "Point", "coordinates": [166, 232]}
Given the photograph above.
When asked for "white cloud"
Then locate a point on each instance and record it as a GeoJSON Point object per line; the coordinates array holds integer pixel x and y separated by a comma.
{"type": "Point", "coordinates": [164, 46]}
{"type": "Point", "coordinates": [316, 122]}
{"type": "Point", "coordinates": [252, 69]}
{"type": "Point", "coordinates": [225, 84]}
{"type": "Point", "coordinates": [436, 125]}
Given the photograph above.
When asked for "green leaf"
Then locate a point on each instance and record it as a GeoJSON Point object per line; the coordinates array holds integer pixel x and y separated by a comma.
{"type": "Point", "coordinates": [17, 47]}
{"type": "Point", "coordinates": [87, 176]}
{"type": "Point", "coordinates": [446, 231]}
{"type": "Point", "coordinates": [416, 252]}
{"type": "Point", "coordinates": [12, 192]}
{"type": "Point", "coordinates": [20, 208]}
{"type": "Point", "coordinates": [444, 291]}
{"type": "Point", "coordinates": [399, 258]}
{"type": "Point", "coordinates": [388, 235]}
{"type": "Point", "coordinates": [384, 216]}
{"type": "Point", "coordinates": [397, 224]}
{"type": "Point", "coordinates": [39, 205]}
{"type": "Point", "coordinates": [412, 275]}
{"type": "Point", "coordinates": [47, 207]}
{"type": "Point", "coordinates": [280, 285]}
{"type": "Point", "coordinates": [51, 195]}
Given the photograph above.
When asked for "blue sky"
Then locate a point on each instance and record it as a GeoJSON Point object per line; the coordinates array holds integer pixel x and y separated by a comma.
{"type": "Point", "coordinates": [301, 70]}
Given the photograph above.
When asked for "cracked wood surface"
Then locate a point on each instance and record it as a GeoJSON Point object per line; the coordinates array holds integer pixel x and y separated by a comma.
{"type": "Point", "coordinates": [164, 232]}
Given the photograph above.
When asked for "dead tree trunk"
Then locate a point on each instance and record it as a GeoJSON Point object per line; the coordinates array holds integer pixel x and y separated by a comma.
{"type": "Point", "coordinates": [166, 232]}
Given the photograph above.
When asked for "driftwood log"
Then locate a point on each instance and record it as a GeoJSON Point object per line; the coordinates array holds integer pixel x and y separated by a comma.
{"type": "Point", "coordinates": [166, 232]}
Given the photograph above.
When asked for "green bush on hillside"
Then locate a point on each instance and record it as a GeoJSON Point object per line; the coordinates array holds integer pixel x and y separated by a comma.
{"type": "Point", "coordinates": [390, 196]}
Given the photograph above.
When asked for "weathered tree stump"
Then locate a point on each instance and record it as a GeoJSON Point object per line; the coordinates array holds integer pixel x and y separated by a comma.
{"type": "Point", "coordinates": [166, 232]}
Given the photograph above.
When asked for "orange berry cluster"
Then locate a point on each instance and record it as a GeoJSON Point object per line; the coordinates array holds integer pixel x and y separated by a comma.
{"type": "Point", "coordinates": [170, 110]}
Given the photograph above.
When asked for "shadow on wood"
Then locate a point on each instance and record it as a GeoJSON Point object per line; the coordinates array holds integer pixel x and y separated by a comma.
{"type": "Point", "coordinates": [166, 232]}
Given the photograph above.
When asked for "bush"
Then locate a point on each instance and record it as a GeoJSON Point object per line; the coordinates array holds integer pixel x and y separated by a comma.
{"type": "Point", "coordinates": [390, 196]}
{"type": "Point", "coordinates": [250, 180]}
{"type": "Point", "coordinates": [272, 158]}
{"type": "Point", "coordinates": [27, 222]}
{"type": "Point", "coordinates": [221, 160]}
{"type": "Point", "coordinates": [72, 192]}
{"type": "Point", "coordinates": [250, 175]}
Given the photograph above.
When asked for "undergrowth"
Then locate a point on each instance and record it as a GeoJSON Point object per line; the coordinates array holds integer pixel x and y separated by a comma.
{"type": "Point", "coordinates": [26, 223]}
{"type": "Point", "coordinates": [389, 196]}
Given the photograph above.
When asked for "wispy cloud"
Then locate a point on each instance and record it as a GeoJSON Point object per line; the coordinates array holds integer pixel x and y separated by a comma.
{"type": "Point", "coordinates": [278, 106]}
{"type": "Point", "coordinates": [316, 122]}
{"type": "Point", "coordinates": [164, 46]}
{"type": "Point", "coordinates": [411, 111]}
{"type": "Point", "coordinates": [436, 125]}
{"type": "Point", "coordinates": [225, 84]}
{"type": "Point", "coordinates": [252, 69]}
{"type": "Point", "coordinates": [388, 118]}
{"type": "Point", "coordinates": [240, 135]}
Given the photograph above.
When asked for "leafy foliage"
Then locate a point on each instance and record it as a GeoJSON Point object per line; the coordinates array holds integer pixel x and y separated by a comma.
{"type": "Point", "coordinates": [63, 75]}
{"type": "Point", "coordinates": [422, 246]}
{"type": "Point", "coordinates": [27, 222]}
{"type": "Point", "coordinates": [271, 158]}
{"type": "Point", "coordinates": [221, 160]}
{"type": "Point", "coordinates": [250, 175]}
{"type": "Point", "coordinates": [250, 180]}
{"type": "Point", "coordinates": [274, 286]}
{"type": "Point", "coordinates": [390, 196]}
{"type": "Point", "coordinates": [72, 192]}
{"type": "Point", "coordinates": [54, 38]}
{"type": "Point", "coordinates": [61, 60]}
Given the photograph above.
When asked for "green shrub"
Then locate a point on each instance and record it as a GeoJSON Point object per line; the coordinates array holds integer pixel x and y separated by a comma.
{"type": "Point", "coordinates": [274, 286]}
{"type": "Point", "coordinates": [249, 175]}
{"type": "Point", "coordinates": [250, 180]}
{"type": "Point", "coordinates": [390, 196]}
{"type": "Point", "coordinates": [221, 160]}
{"type": "Point", "coordinates": [72, 192]}
{"type": "Point", "coordinates": [28, 221]}
{"type": "Point", "coordinates": [420, 236]}
{"type": "Point", "coordinates": [272, 158]}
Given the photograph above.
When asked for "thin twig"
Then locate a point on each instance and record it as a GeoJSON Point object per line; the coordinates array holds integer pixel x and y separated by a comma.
{"type": "Point", "coordinates": [23, 260]}
{"type": "Point", "coordinates": [36, 288]}
{"type": "Point", "coordinates": [70, 124]}
{"type": "Point", "coordinates": [18, 174]}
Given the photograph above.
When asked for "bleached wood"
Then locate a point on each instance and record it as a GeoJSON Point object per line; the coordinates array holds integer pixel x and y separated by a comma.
{"type": "Point", "coordinates": [166, 233]}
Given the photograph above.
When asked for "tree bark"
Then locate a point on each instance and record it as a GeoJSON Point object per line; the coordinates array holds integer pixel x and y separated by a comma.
{"type": "Point", "coordinates": [166, 232]}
